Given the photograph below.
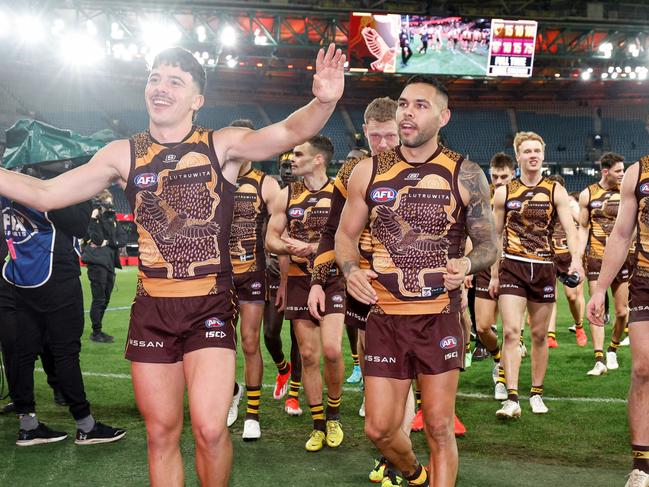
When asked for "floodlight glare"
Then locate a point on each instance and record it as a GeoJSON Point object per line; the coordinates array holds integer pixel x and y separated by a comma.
{"type": "Point", "coordinates": [585, 75]}
{"type": "Point", "coordinates": [228, 36]}
{"type": "Point", "coordinates": [158, 36]}
{"type": "Point", "coordinates": [201, 33]}
{"type": "Point", "coordinates": [231, 63]}
{"type": "Point", "coordinates": [30, 29]}
{"type": "Point", "coordinates": [80, 49]}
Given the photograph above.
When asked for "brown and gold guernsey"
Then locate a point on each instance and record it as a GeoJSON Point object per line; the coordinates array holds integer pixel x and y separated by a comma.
{"type": "Point", "coordinates": [307, 213]}
{"type": "Point", "coordinates": [560, 239]}
{"type": "Point", "coordinates": [183, 212]}
{"type": "Point", "coordinates": [325, 260]}
{"type": "Point", "coordinates": [417, 223]}
{"type": "Point", "coordinates": [641, 269]}
{"type": "Point", "coordinates": [529, 221]}
{"type": "Point", "coordinates": [250, 214]}
{"type": "Point", "coordinates": [602, 212]}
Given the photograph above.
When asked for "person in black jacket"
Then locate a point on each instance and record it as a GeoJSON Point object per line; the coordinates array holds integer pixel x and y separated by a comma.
{"type": "Point", "coordinates": [101, 255]}
{"type": "Point", "coordinates": [44, 272]}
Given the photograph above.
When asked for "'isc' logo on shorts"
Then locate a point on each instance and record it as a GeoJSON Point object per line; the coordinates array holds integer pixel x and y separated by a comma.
{"type": "Point", "coordinates": [296, 212]}
{"type": "Point", "coordinates": [383, 195]}
{"type": "Point", "coordinates": [448, 342]}
{"type": "Point", "coordinates": [145, 180]}
{"type": "Point", "coordinates": [214, 322]}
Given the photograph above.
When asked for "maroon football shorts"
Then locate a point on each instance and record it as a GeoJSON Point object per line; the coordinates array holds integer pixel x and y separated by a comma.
{"type": "Point", "coordinates": [534, 281]}
{"type": "Point", "coordinates": [250, 287]}
{"type": "Point", "coordinates": [297, 296]}
{"type": "Point", "coordinates": [403, 346]}
{"type": "Point", "coordinates": [163, 329]}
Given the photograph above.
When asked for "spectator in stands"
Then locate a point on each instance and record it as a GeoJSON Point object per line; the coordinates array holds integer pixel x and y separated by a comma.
{"type": "Point", "coordinates": [101, 255]}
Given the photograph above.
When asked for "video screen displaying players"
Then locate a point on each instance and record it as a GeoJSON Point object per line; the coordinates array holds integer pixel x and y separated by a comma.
{"type": "Point", "coordinates": [394, 43]}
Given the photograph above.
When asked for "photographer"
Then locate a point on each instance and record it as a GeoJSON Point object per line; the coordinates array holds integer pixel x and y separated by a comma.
{"type": "Point", "coordinates": [101, 255]}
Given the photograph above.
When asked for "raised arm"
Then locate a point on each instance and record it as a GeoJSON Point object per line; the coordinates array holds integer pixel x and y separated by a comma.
{"type": "Point", "coordinates": [617, 244]}
{"type": "Point", "coordinates": [277, 223]}
{"type": "Point", "coordinates": [110, 164]}
{"type": "Point", "coordinates": [564, 211]}
{"type": "Point", "coordinates": [352, 222]}
{"type": "Point", "coordinates": [328, 84]}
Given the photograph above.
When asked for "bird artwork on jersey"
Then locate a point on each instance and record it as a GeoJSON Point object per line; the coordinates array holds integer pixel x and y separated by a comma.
{"type": "Point", "coordinates": [179, 216]}
{"type": "Point", "coordinates": [243, 235]}
{"type": "Point", "coordinates": [418, 248]}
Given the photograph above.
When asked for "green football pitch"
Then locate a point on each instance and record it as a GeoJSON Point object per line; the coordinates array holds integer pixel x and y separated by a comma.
{"type": "Point", "coordinates": [444, 62]}
{"type": "Point", "coordinates": [583, 441]}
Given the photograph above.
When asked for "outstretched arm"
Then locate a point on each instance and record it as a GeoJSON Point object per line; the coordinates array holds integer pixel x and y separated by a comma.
{"type": "Point", "coordinates": [236, 144]}
{"type": "Point", "coordinates": [108, 165]}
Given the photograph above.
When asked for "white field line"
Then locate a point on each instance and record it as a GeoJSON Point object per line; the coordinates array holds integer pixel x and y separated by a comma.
{"type": "Point", "coordinates": [468, 395]}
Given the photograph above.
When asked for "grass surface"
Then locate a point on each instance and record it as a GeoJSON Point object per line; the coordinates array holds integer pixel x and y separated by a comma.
{"type": "Point", "coordinates": [583, 441]}
{"type": "Point", "coordinates": [445, 62]}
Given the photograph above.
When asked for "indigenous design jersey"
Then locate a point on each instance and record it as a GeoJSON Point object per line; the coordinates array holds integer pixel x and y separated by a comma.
{"type": "Point", "coordinates": [183, 211]}
{"type": "Point", "coordinates": [307, 213]}
{"type": "Point", "coordinates": [529, 220]}
{"type": "Point", "coordinates": [602, 212]}
{"type": "Point", "coordinates": [417, 223]}
{"type": "Point", "coordinates": [642, 236]}
{"type": "Point", "coordinates": [325, 260]}
{"type": "Point", "coordinates": [250, 214]}
{"type": "Point", "coordinates": [559, 239]}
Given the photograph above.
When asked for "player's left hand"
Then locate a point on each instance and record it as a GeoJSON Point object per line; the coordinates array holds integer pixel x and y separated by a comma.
{"type": "Point", "coordinates": [316, 301]}
{"type": "Point", "coordinates": [297, 247]}
{"type": "Point", "coordinates": [456, 270]}
{"type": "Point", "coordinates": [329, 78]}
{"type": "Point", "coordinates": [280, 298]}
{"type": "Point", "coordinates": [468, 282]}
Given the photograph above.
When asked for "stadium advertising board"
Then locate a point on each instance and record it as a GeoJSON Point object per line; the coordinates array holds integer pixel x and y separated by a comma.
{"type": "Point", "coordinates": [451, 46]}
{"type": "Point", "coordinates": [511, 49]}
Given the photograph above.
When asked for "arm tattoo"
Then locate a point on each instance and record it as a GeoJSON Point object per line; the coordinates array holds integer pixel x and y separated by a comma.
{"type": "Point", "coordinates": [348, 265]}
{"type": "Point", "coordinates": [479, 218]}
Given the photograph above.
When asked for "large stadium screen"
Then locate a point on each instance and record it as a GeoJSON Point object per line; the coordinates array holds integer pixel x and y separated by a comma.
{"type": "Point", "coordinates": [511, 49]}
{"type": "Point", "coordinates": [391, 43]}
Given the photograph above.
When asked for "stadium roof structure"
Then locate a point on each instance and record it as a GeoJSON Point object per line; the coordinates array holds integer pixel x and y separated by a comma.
{"type": "Point", "coordinates": [270, 45]}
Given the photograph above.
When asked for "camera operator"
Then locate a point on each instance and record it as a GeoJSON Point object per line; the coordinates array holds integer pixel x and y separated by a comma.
{"type": "Point", "coordinates": [101, 255]}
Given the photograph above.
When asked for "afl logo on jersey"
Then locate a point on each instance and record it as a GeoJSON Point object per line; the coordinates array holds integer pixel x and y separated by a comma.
{"type": "Point", "coordinates": [596, 204]}
{"type": "Point", "coordinates": [644, 189]}
{"type": "Point", "coordinates": [514, 205]}
{"type": "Point", "coordinates": [214, 322]}
{"type": "Point", "coordinates": [383, 195]}
{"type": "Point", "coordinates": [145, 180]}
{"type": "Point", "coordinates": [448, 342]}
{"type": "Point", "coordinates": [295, 212]}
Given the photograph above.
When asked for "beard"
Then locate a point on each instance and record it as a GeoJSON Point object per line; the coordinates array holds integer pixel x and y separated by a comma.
{"type": "Point", "coordinates": [420, 138]}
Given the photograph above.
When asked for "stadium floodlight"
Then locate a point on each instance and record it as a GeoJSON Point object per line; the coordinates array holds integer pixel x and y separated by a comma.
{"type": "Point", "coordinates": [91, 28]}
{"type": "Point", "coordinates": [610, 69]}
{"type": "Point", "coordinates": [604, 75]}
{"type": "Point", "coordinates": [634, 50]}
{"type": "Point", "coordinates": [80, 49]}
{"type": "Point", "coordinates": [606, 48]}
{"type": "Point", "coordinates": [627, 69]}
{"type": "Point", "coordinates": [159, 35]}
{"type": "Point", "coordinates": [228, 36]}
{"type": "Point", "coordinates": [116, 32]}
{"type": "Point", "coordinates": [231, 62]}
{"type": "Point", "coordinates": [614, 75]}
{"type": "Point", "coordinates": [57, 27]}
{"type": "Point", "coordinates": [642, 75]}
{"type": "Point", "coordinates": [201, 33]}
{"type": "Point", "coordinates": [633, 75]}
{"type": "Point", "coordinates": [30, 29]}
{"type": "Point", "coordinates": [260, 39]}
{"type": "Point", "coordinates": [585, 75]}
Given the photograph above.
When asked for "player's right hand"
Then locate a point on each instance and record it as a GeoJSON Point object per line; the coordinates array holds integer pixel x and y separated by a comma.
{"type": "Point", "coordinates": [359, 285]}
{"type": "Point", "coordinates": [280, 298]}
{"type": "Point", "coordinates": [494, 284]}
{"type": "Point", "coordinates": [595, 309]}
{"type": "Point", "coordinates": [316, 301]}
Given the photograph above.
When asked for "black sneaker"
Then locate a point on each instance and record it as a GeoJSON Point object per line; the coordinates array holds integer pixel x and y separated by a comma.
{"type": "Point", "coordinates": [480, 353]}
{"type": "Point", "coordinates": [8, 408]}
{"type": "Point", "coordinates": [42, 434]}
{"type": "Point", "coordinates": [101, 433]}
{"type": "Point", "coordinates": [101, 337]}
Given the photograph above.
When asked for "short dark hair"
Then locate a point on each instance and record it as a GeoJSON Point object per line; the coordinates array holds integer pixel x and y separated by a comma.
{"type": "Point", "coordinates": [429, 80]}
{"type": "Point", "coordinates": [500, 160]}
{"type": "Point", "coordinates": [185, 60]}
{"type": "Point", "coordinates": [322, 145]}
{"type": "Point", "coordinates": [243, 122]}
{"type": "Point", "coordinates": [558, 178]}
{"type": "Point", "coordinates": [610, 159]}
